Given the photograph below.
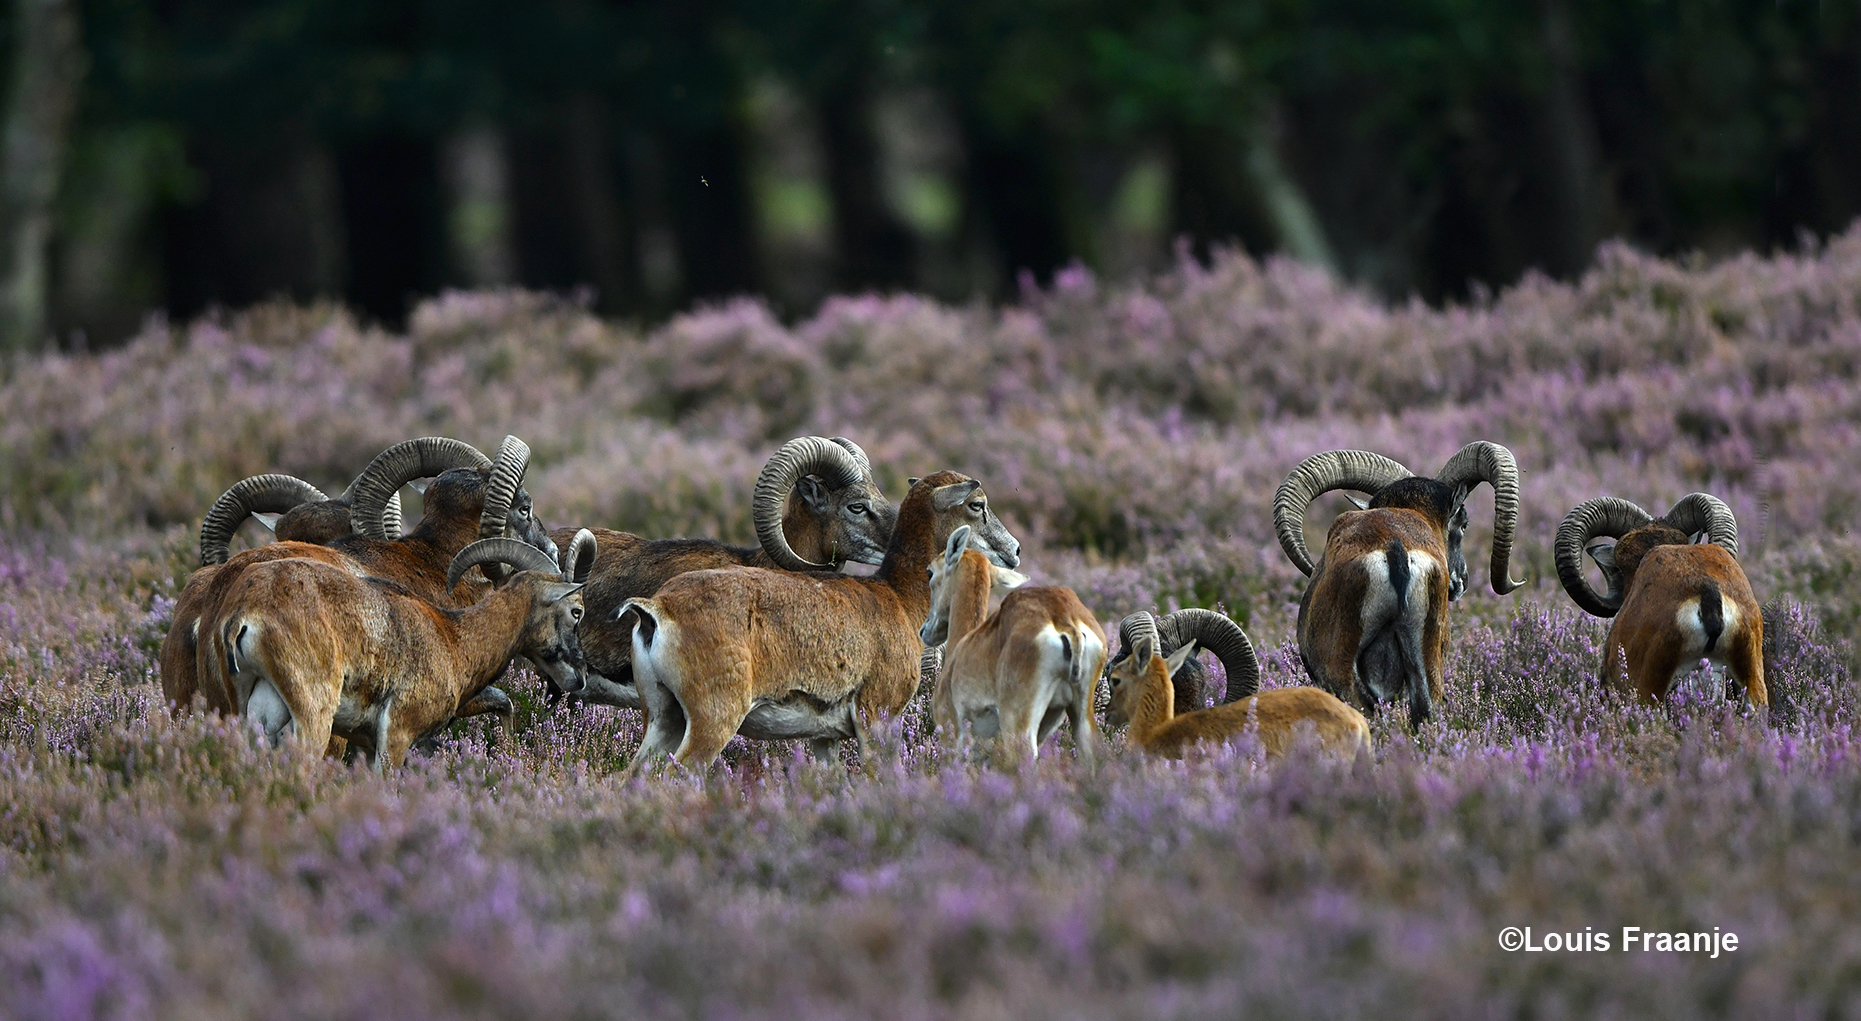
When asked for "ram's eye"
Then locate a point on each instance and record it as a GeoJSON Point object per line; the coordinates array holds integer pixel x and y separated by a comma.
{"type": "Point", "coordinates": [976, 506]}
{"type": "Point", "coordinates": [576, 613]}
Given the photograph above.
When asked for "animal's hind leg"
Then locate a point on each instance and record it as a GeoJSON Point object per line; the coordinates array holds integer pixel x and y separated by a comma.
{"type": "Point", "coordinates": [665, 724]}
{"type": "Point", "coordinates": [1746, 662]}
{"type": "Point", "coordinates": [1021, 731]}
{"type": "Point", "coordinates": [708, 729]}
{"type": "Point", "coordinates": [1653, 666]}
{"type": "Point", "coordinates": [1085, 735]}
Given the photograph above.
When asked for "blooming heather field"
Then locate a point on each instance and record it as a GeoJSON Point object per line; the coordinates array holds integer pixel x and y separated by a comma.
{"type": "Point", "coordinates": [1132, 437]}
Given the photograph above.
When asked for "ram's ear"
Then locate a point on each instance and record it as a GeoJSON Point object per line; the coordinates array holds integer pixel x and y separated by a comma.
{"type": "Point", "coordinates": [1178, 658]}
{"type": "Point", "coordinates": [269, 520]}
{"type": "Point", "coordinates": [1461, 492]}
{"type": "Point", "coordinates": [1002, 577]}
{"type": "Point", "coordinates": [953, 495]}
{"type": "Point", "coordinates": [420, 485]}
{"type": "Point", "coordinates": [556, 591]}
{"type": "Point", "coordinates": [953, 550]}
{"type": "Point", "coordinates": [814, 494]}
{"type": "Point", "coordinates": [1604, 555]}
{"type": "Point", "coordinates": [1359, 502]}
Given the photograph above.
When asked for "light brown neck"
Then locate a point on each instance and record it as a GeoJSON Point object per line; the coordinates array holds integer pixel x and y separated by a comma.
{"type": "Point", "coordinates": [969, 603]}
{"type": "Point", "coordinates": [486, 634]}
{"type": "Point", "coordinates": [915, 540]}
{"type": "Point", "coordinates": [1156, 703]}
{"type": "Point", "coordinates": [904, 572]}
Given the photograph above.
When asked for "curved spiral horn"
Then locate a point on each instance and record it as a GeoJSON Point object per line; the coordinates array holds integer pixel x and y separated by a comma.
{"type": "Point", "coordinates": [1704, 512]}
{"type": "Point", "coordinates": [1138, 625]}
{"type": "Point", "coordinates": [391, 521]}
{"type": "Point", "coordinates": [266, 494]}
{"type": "Point", "coordinates": [506, 476]}
{"type": "Point", "coordinates": [393, 468]}
{"type": "Point", "coordinates": [1224, 638]}
{"type": "Point", "coordinates": [1360, 470]}
{"type": "Point", "coordinates": [1605, 515]}
{"type": "Point", "coordinates": [500, 550]}
{"type": "Point", "coordinates": [804, 455]}
{"type": "Point", "coordinates": [579, 560]}
{"type": "Point", "coordinates": [1488, 462]}
{"type": "Point", "coordinates": [865, 463]}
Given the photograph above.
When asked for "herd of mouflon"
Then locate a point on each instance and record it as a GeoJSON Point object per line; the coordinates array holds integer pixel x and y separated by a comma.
{"type": "Point", "coordinates": [352, 635]}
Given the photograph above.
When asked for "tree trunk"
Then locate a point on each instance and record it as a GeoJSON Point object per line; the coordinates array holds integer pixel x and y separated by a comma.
{"type": "Point", "coordinates": [1577, 219]}
{"type": "Point", "coordinates": [48, 67]}
{"type": "Point", "coordinates": [475, 167]}
{"type": "Point", "coordinates": [1295, 224]}
{"type": "Point", "coordinates": [874, 249]}
{"type": "Point", "coordinates": [597, 214]}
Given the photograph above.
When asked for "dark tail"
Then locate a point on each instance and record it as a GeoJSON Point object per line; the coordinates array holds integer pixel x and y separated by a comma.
{"type": "Point", "coordinates": [1711, 613]}
{"type": "Point", "coordinates": [232, 648]}
{"type": "Point", "coordinates": [1399, 574]}
{"type": "Point", "coordinates": [634, 615]}
{"type": "Point", "coordinates": [1415, 672]}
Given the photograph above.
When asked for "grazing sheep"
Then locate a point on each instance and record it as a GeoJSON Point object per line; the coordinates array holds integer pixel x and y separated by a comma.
{"type": "Point", "coordinates": [1674, 602]}
{"type": "Point", "coordinates": [456, 506]}
{"type": "Point", "coordinates": [305, 516]}
{"type": "Point", "coordinates": [1373, 621]}
{"type": "Point", "coordinates": [815, 505]}
{"type": "Point", "coordinates": [778, 654]}
{"type": "Point", "coordinates": [313, 651]}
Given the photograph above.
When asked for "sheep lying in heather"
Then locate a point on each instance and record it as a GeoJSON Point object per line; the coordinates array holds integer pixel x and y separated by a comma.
{"type": "Point", "coordinates": [1144, 697]}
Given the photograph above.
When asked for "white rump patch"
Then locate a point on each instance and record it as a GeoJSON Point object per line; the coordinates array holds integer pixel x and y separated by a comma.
{"type": "Point", "coordinates": [267, 708]}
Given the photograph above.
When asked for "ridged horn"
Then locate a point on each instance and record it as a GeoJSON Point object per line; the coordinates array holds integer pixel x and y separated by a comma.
{"type": "Point", "coordinates": [1704, 512]}
{"type": "Point", "coordinates": [396, 466]}
{"type": "Point", "coordinates": [1360, 470]}
{"type": "Point", "coordinates": [391, 517]}
{"type": "Point", "coordinates": [865, 463]}
{"type": "Point", "coordinates": [500, 550]}
{"type": "Point", "coordinates": [579, 560]}
{"type": "Point", "coordinates": [804, 455]}
{"type": "Point", "coordinates": [1488, 462]}
{"type": "Point", "coordinates": [1605, 515]}
{"type": "Point", "coordinates": [266, 494]}
{"type": "Point", "coordinates": [391, 524]}
{"type": "Point", "coordinates": [1221, 636]}
{"type": "Point", "coordinates": [506, 476]}
{"type": "Point", "coordinates": [929, 662]}
{"type": "Point", "coordinates": [1135, 626]}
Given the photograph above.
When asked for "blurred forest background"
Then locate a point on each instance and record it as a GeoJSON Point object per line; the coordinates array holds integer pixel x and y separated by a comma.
{"type": "Point", "coordinates": [187, 153]}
